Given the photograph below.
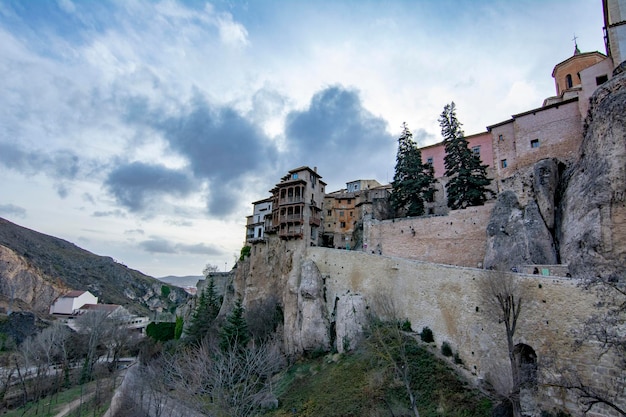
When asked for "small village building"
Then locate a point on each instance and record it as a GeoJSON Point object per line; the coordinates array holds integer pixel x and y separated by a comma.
{"type": "Point", "coordinates": [71, 302]}
{"type": "Point", "coordinates": [260, 219]}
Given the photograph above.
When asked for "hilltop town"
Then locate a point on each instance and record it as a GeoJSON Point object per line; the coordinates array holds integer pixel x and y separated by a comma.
{"type": "Point", "coordinates": [556, 224]}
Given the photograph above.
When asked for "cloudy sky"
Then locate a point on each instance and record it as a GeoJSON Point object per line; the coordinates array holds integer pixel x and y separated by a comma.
{"type": "Point", "coordinates": [143, 130]}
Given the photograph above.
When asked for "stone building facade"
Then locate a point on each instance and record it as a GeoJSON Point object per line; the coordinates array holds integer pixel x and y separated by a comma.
{"type": "Point", "coordinates": [297, 203]}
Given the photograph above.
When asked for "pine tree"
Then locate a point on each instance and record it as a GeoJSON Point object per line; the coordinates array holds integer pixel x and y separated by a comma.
{"type": "Point", "coordinates": [235, 335]}
{"type": "Point", "coordinates": [413, 180]}
{"type": "Point", "coordinates": [204, 315]}
{"type": "Point", "coordinates": [468, 182]}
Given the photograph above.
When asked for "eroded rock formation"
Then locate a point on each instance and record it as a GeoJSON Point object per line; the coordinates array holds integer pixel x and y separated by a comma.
{"type": "Point", "coordinates": [592, 230]}
{"type": "Point", "coordinates": [517, 235]}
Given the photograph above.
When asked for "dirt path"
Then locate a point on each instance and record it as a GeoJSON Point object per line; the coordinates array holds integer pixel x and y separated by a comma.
{"type": "Point", "coordinates": [68, 408]}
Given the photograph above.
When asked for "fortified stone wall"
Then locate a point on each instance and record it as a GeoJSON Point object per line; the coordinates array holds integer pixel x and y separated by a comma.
{"type": "Point", "coordinates": [458, 238]}
{"type": "Point", "coordinates": [451, 301]}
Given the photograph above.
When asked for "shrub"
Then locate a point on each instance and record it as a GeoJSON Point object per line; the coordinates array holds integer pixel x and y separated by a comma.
{"type": "Point", "coordinates": [427, 335]}
{"type": "Point", "coordinates": [165, 291]}
{"type": "Point", "coordinates": [457, 359]}
{"type": "Point", "coordinates": [245, 251]}
{"type": "Point", "coordinates": [406, 326]}
{"type": "Point", "coordinates": [446, 350]}
{"type": "Point", "coordinates": [161, 332]}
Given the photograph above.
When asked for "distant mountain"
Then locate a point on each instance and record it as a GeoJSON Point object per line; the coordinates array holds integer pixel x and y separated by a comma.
{"type": "Point", "coordinates": [36, 268]}
{"type": "Point", "coordinates": [186, 281]}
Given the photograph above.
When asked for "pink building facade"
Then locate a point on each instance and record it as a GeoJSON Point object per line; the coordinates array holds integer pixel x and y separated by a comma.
{"type": "Point", "coordinates": [480, 144]}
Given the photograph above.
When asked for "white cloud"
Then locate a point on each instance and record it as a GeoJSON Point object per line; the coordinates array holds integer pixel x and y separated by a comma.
{"type": "Point", "coordinates": [199, 96]}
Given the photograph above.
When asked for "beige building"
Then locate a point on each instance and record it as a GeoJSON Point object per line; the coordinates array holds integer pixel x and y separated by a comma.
{"type": "Point", "coordinates": [343, 209]}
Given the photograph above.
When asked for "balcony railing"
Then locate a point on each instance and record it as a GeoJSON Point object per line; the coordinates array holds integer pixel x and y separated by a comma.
{"type": "Point", "coordinates": [291, 200]}
{"type": "Point", "coordinates": [315, 221]}
{"type": "Point", "coordinates": [290, 218]}
{"type": "Point", "coordinates": [285, 234]}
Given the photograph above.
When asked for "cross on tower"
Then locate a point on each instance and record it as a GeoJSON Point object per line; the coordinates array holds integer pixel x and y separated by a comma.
{"type": "Point", "coordinates": [576, 50]}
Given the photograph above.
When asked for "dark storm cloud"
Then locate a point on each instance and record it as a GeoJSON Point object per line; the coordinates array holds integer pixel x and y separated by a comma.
{"type": "Point", "coordinates": [338, 135]}
{"type": "Point", "coordinates": [58, 164]}
{"type": "Point", "coordinates": [134, 185]}
{"type": "Point", "coordinates": [12, 210]}
{"type": "Point", "coordinates": [220, 145]}
{"type": "Point", "coordinates": [159, 245]}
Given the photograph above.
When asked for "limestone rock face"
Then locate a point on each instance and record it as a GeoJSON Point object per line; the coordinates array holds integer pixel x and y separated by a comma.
{"type": "Point", "coordinates": [517, 236]}
{"type": "Point", "coordinates": [312, 320]}
{"type": "Point", "coordinates": [592, 233]}
{"type": "Point", "coordinates": [23, 282]}
{"type": "Point", "coordinates": [350, 320]}
{"type": "Point", "coordinates": [545, 183]}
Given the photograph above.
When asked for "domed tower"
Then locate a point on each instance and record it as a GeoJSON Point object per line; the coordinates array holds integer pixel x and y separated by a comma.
{"type": "Point", "coordinates": [566, 74]}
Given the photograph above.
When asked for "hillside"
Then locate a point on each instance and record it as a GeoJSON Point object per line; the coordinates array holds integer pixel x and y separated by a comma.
{"type": "Point", "coordinates": [36, 268]}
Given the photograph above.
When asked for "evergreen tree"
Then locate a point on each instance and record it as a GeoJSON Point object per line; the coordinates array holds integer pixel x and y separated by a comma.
{"type": "Point", "coordinates": [468, 182]}
{"type": "Point", "coordinates": [235, 335]}
{"type": "Point", "coordinates": [413, 180]}
{"type": "Point", "coordinates": [203, 316]}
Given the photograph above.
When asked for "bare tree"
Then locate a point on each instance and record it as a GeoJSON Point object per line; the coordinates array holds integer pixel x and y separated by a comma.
{"type": "Point", "coordinates": [606, 329]}
{"type": "Point", "coordinates": [504, 300]}
{"type": "Point", "coordinates": [93, 325]}
{"type": "Point", "coordinates": [389, 343]}
{"type": "Point", "coordinates": [233, 382]}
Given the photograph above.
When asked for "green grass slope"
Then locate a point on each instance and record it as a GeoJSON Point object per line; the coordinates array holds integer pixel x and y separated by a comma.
{"type": "Point", "coordinates": [358, 385]}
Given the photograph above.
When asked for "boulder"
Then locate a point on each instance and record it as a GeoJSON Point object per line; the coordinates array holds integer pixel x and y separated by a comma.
{"type": "Point", "coordinates": [350, 320]}
{"type": "Point", "coordinates": [517, 235]}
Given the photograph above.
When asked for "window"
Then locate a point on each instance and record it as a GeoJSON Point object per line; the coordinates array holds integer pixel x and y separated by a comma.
{"type": "Point", "coordinates": [341, 213]}
{"type": "Point", "coordinates": [350, 214]}
{"type": "Point", "coordinates": [503, 163]}
{"type": "Point", "coordinates": [602, 79]}
{"type": "Point", "coordinates": [500, 138]}
{"type": "Point", "coordinates": [568, 81]}
{"type": "Point", "coordinates": [429, 161]}
{"type": "Point", "coordinates": [343, 224]}
{"type": "Point", "coordinates": [534, 143]}
{"type": "Point", "coordinates": [329, 213]}
{"type": "Point", "coordinates": [476, 151]}
{"type": "Point", "coordinates": [294, 176]}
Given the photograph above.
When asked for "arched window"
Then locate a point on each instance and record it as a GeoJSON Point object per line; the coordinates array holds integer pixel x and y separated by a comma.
{"type": "Point", "coordinates": [526, 359]}
{"type": "Point", "coordinates": [568, 81]}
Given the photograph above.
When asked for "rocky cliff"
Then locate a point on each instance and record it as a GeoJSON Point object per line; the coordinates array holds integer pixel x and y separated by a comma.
{"type": "Point", "coordinates": [576, 215]}
{"type": "Point", "coordinates": [35, 269]}
{"type": "Point", "coordinates": [592, 229]}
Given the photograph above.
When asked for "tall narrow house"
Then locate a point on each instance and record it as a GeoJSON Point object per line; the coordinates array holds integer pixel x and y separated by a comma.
{"type": "Point", "coordinates": [297, 203]}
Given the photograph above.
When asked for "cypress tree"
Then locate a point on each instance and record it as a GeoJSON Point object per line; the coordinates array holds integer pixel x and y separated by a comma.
{"type": "Point", "coordinates": [413, 180]}
{"type": "Point", "coordinates": [205, 313]}
{"type": "Point", "coordinates": [235, 335]}
{"type": "Point", "coordinates": [468, 182]}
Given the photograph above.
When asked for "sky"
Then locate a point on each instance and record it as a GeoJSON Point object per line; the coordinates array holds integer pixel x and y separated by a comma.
{"type": "Point", "coordinates": [144, 130]}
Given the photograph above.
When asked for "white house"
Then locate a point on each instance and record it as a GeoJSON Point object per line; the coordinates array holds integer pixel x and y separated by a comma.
{"type": "Point", "coordinates": [67, 304]}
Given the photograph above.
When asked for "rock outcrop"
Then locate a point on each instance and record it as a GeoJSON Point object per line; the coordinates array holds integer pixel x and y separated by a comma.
{"type": "Point", "coordinates": [350, 320]}
{"type": "Point", "coordinates": [592, 230]}
{"type": "Point", "coordinates": [36, 268]}
{"type": "Point", "coordinates": [517, 235]}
